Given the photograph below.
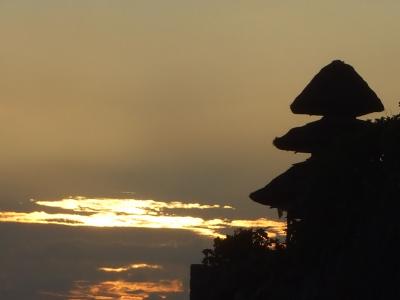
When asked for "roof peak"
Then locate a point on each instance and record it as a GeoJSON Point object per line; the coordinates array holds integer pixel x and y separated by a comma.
{"type": "Point", "coordinates": [338, 90]}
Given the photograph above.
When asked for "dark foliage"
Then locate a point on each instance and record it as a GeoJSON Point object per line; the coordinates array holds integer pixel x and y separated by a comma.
{"type": "Point", "coordinates": [240, 264]}
{"type": "Point", "coordinates": [243, 245]}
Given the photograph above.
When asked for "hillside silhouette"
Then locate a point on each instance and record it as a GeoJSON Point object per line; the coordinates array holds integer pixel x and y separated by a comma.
{"type": "Point", "coordinates": [341, 207]}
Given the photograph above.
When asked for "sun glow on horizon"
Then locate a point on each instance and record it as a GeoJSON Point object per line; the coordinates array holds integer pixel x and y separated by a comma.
{"type": "Point", "coordinates": [130, 267]}
{"type": "Point", "coordinates": [107, 212]}
{"type": "Point", "coordinates": [120, 289]}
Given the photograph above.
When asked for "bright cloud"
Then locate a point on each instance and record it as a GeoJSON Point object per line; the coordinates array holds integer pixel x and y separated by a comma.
{"type": "Point", "coordinates": [130, 267]}
{"type": "Point", "coordinates": [106, 212]}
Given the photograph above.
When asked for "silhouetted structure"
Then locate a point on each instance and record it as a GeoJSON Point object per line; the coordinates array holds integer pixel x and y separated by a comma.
{"type": "Point", "coordinates": [339, 94]}
{"type": "Point", "coordinates": [337, 90]}
{"type": "Point", "coordinates": [341, 204]}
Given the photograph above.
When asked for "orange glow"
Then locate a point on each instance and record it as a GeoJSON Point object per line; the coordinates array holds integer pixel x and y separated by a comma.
{"type": "Point", "coordinates": [130, 267]}
{"type": "Point", "coordinates": [124, 290]}
{"type": "Point", "coordinates": [275, 227]}
{"type": "Point", "coordinates": [116, 270]}
{"type": "Point", "coordinates": [130, 206]}
{"type": "Point", "coordinates": [105, 212]}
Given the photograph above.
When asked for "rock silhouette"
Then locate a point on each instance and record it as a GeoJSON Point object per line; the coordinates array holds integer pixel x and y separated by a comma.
{"type": "Point", "coordinates": [341, 205]}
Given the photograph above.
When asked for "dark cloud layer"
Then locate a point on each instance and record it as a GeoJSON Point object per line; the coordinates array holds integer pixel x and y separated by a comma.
{"type": "Point", "coordinates": [51, 258]}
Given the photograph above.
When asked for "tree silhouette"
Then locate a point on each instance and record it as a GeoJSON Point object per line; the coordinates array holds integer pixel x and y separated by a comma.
{"type": "Point", "coordinates": [244, 244]}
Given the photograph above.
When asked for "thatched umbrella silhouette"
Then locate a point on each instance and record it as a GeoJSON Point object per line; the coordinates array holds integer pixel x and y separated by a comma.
{"type": "Point", "coordinates": [317, 136]}
{"type": "Point", "coordinates": [337, 90]}
{"type": "Point", "coordinates": [339, 94]}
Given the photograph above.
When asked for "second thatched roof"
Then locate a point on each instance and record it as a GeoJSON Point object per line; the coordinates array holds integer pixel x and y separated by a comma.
{"type": "Point", "coordinates": [321, 135]}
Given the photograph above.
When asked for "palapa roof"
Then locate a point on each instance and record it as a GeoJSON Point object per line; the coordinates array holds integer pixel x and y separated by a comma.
{"type": "Point", "coordinates": [282, 191]}
{"type": "Point", "coordinates": [337, 90]}
{"type": "Point", "coordinates": [319, 135]}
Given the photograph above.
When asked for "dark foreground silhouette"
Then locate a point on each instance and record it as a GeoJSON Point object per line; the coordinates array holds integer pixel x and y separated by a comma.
{"type": "Point", "coordinates": [341, 206]}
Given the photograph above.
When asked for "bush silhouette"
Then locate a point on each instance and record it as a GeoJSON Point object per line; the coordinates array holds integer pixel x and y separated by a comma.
{"type": "Point", "coordinates": [244, 244]}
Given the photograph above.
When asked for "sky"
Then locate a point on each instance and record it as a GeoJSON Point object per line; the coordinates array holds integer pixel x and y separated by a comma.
{"type": "Point", "coordinates": [167, 100]}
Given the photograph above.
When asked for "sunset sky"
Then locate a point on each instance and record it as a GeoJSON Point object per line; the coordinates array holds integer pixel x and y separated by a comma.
{"type": "Point", "coordinates": [165, 100]}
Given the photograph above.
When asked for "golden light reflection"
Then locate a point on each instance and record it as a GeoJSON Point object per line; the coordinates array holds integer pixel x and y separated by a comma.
{"type": "Point", "coordinates": [130, 267]}
{"type": "Point", "coordinates": [122, 290]}
{"type": "Point", "coordinates": [128, 206]}
{"type": "Point", "coordinates": [106, 212]}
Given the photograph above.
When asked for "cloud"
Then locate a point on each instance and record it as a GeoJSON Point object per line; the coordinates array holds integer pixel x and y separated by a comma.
{"type": "Point", "coordinates": [108, 212]}
{"type": "Point", "coordinates": [120, 289]}
{"type": "Point", "coordinates": [130, 267]}
{"type": "Point", "coordinates": [51, 258]}
{"type": "Point", "coordinates": [105, 242]}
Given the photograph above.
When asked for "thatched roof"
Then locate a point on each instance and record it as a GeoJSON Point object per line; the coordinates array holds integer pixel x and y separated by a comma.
{"type": "Point", "coordinates": [283, 191]}
{"type": "Point", "coordinates": [337, 90]}
{"type": "Point", "coordinates": [320, 135]}
{"type": "Point", "coordinates": [294, 189]}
